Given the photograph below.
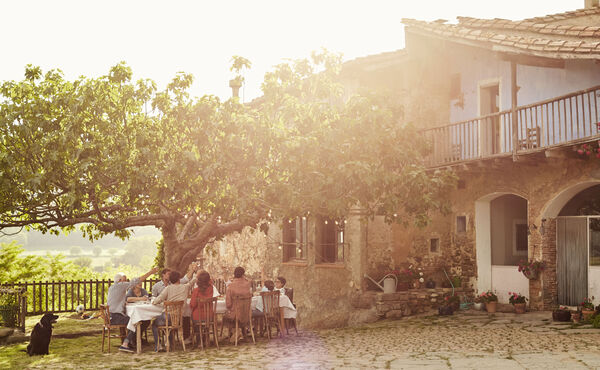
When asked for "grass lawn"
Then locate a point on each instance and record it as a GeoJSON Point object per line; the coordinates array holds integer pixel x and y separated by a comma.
{"type": "Point", "coordinates": [83, 350]}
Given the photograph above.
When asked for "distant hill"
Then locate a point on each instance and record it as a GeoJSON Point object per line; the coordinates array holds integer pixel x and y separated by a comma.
{"type": "Point", "coordinates": [35, 240]}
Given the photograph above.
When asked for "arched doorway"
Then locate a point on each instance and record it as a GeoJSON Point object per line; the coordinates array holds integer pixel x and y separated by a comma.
{"type": "Point", "coordinates": [501, 242]}
{"type": "Point", "coordinates": [578, 247]}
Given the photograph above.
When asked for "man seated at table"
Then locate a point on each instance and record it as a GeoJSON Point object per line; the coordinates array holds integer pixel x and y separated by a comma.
{"type": "Point", "coordinates": [175, 291]}
{"type": "Point", "coordinates": [164, 276]}
{"type": "Point", "coordinates": [116, 303]}
{"type": "Point", "coordinates": [239, 286]}
{"type": "Point", "coordinates": [269, 286]}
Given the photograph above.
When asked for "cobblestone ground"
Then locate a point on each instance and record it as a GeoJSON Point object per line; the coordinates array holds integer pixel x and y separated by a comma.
{"type": "Point", "coordinates": [469, 340]}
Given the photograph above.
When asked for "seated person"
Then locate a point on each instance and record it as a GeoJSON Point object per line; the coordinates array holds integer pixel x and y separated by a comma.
{"type": "Point", "coordinates": [204, 289]}
{"type": "Point", "coordinates": [116, 303]}
{"type": "Point", "coordinates": [164, 282]}
{"type": "Point", "coordinates": [175, 291]}
{"type": "Point", "coordinates": [268, 286]}
{"type": "Point", "coordinates": [239, 286]}
{"type": "Point", "coordinates": [280, 284]}
{"type": "Point", "coordinates": [139, 294]}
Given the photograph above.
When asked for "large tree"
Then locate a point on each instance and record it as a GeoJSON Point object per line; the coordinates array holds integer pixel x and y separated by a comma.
{"type": "Point", "coordinates": [106, 154]}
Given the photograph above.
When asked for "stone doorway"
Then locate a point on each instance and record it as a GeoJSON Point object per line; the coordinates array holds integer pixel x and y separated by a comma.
{"type": "Point", "coordinates": [501, 242]}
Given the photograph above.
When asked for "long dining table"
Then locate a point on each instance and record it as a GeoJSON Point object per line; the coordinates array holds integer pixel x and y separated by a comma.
{"type": "Point", "coordinates": [142, 311]}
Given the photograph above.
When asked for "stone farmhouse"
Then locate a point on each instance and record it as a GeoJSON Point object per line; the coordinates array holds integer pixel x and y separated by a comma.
{"type": "Point", "coordinates": [513, 107]}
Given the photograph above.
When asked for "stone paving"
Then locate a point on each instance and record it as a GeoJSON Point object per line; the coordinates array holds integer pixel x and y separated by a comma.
{"type": "Point", "coordinates": [467, 340]}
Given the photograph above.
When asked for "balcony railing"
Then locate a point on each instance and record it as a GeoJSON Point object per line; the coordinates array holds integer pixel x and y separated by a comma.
{"type": "Point", "coordinates": [565, 120]}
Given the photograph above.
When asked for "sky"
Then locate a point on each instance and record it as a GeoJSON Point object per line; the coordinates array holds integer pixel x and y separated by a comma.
{"type": "Point", "coordinates": [160, 38]}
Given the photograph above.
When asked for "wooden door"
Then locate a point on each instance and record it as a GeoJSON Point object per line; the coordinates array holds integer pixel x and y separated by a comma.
{"type": "Point", "coordinates": [571, 260]}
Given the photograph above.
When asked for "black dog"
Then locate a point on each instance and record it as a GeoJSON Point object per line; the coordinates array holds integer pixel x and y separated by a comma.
{"type": "Point", "coordinates": [41, 334]}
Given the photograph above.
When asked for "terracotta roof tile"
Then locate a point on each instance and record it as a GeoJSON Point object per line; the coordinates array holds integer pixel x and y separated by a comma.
{"type": "Point", "coordinates": [545, 38]}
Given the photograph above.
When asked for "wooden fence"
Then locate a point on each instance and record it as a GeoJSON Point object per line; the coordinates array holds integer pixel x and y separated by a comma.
{"type": "Point", "coordinates": [65, 296]}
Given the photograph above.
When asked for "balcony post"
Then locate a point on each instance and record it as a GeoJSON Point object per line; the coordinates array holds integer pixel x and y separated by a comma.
{"type": "Point", "coordinates": [514, 117]}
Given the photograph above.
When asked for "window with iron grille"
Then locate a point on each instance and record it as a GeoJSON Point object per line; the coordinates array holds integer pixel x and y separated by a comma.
{"type": "Point", "coordinates": [295, 236]}
{"type": "Point", "coordinates": [330, 248]}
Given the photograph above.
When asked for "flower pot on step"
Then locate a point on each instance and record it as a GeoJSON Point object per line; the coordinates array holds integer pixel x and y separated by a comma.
{"type": "Point", "coordinates": [491, 306]}
{"type": "Point", "coordinates": [520, 307]}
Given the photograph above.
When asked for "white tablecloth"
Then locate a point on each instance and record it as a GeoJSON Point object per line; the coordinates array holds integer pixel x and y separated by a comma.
{"type": "Point", "coordinates": [289, 311]}
{"type": "Point", "coordinates": [141, 311]}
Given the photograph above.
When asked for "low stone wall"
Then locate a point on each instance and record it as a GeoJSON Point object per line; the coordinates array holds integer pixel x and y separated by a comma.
{"type": "Point", "coordinates": [410, 302]}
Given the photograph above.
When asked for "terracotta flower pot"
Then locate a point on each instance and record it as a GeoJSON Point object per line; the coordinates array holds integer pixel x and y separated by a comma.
{"type": "Point", "coordinates": [520, 307]}
{"type": "Point", "coordinates": [491, 306]}
{"type": "Point", "coordinates": [576, 316]}
{"type": "Point", "coordinates": [587, 314]}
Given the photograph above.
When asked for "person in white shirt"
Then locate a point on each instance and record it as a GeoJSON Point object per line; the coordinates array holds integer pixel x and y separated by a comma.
{"type": "Point", "coordinates": [164, 275]}
{"type": "Point", "coordinates": [280, 284]}
{"type": "Point", "coordinates": [177, 290]}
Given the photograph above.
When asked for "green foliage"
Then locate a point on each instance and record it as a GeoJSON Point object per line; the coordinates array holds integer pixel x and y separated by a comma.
{"type": "Point", "coordinates": [16, 268]}
{"type": "Point", "coordinates": [159, 259]}
{"type": "Point", "coordinates": [596, 321]}
{"type": "Point", "coordinates": [106, 154]}
{"type": "Point", "coordinates": [83, 261]}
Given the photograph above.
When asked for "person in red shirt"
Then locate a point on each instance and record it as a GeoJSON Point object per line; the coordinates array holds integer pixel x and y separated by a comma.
{"type": "Point", "coordinates": [204, 289]}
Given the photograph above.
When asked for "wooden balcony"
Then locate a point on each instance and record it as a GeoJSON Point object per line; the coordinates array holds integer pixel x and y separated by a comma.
{"type": "Point", "coordinates": [562, 121]}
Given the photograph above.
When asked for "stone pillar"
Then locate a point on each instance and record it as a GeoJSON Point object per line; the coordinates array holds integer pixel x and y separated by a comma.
{"type": "Point", "coordinates": [548, 279]}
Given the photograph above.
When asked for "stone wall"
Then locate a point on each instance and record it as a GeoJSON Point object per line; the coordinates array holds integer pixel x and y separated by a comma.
{"type": "Point", "coordinates": [400, 304]}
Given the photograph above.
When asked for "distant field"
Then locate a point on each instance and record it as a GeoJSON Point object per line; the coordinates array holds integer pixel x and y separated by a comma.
{"type": "Point", "coordinates": [96, 261]}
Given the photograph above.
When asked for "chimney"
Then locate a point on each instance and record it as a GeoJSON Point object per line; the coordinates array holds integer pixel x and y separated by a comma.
{"type": "Point", "coordinates": [590, 4]}
{"type": "Point", "coordinates": [235, 85]}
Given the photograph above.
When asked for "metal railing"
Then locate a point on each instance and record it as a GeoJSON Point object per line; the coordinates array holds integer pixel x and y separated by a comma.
{"type": "Point", "coordinates": [563, 120]}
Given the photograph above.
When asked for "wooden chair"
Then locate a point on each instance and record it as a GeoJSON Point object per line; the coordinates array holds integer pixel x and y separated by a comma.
{"type": "Point", "coordinates": [174, 320]}
{"type": "Point", "coordinates": [105, 314]}
{"type": "Point", "coordinates": [289, 292]}
{"type": "Point", "coordinates": [271, 311]}
{"type": "Point", "coordinates": [531, 140]}
{"type": "Point", "coordinates": [207, 308]}
{"type": "Point", "coordinates": [241, 315]}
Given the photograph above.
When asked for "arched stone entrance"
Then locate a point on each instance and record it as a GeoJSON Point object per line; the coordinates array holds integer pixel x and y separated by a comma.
{"type": "Point", "coordinates": [501, 233]}
{"type": "Point", "coordinates": [575, 215]}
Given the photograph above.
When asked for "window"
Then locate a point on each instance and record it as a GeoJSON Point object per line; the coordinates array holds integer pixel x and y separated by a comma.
{"type": "Point", "coordinates": [434, 245]}
{"type": "Point", "coordinates": [520, 233]}
{"type": "Point", "coordinates": [331, 241]}
{"type": "Point", "coordinates": [295, 238]}
{"type": "Point", "coordinates": [461, 224]}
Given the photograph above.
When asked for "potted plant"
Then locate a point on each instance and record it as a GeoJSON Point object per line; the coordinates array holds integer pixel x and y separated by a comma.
{"type": "Point", "coordinates": [490, 299]}
{"type": "Point", "coordinates": [405, 279]}
{"type": "Point", "coordinates": [561, 314]}
{"type": "Point", "coordinates": [518, 301]}
{"type": "Point", "coordinates": [451, 304]}
{"type": "Point", "coordinates": [587, 308]}
{"type": "Point", "coordinates": [531, 269]}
